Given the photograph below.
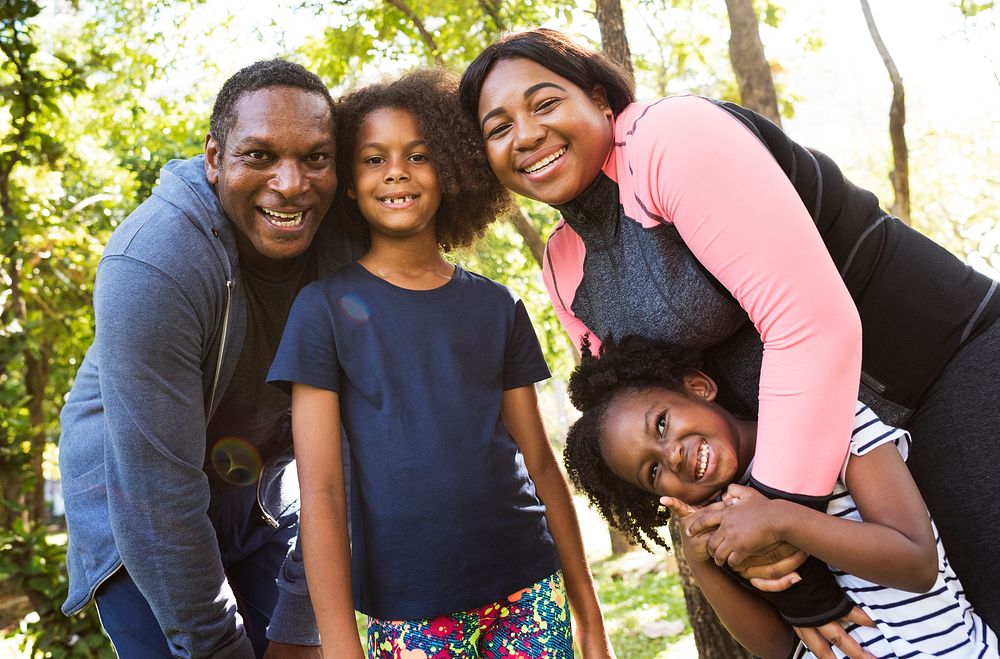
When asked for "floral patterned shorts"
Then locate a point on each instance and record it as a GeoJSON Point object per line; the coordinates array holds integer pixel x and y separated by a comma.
{"type": "Point", "coordinates": [530, 624]}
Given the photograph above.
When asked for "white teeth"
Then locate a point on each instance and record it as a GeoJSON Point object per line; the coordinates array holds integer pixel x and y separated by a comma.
{"type": "Point", "coordinates": [398, 200]}
{"type": "Point", "coordinates": [545, 161]}
{"type": "Point", "coordinates": [280, 219]}
{"type": "Point", "coordinates": [702, 459]}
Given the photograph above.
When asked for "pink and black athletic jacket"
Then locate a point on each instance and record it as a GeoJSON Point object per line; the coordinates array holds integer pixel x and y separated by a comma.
{"type": "Point", "coordinates": [708, 227]}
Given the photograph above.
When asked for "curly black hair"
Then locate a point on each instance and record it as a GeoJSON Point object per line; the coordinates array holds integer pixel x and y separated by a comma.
{"type": "Point", "coordinates": [471, 196]}
{"type": "Point", "coordinates": [584, 67]}
{"type": "Point", "coordinates": [631, 364]}
{"type": "Point", "coordinates": [260, 75]}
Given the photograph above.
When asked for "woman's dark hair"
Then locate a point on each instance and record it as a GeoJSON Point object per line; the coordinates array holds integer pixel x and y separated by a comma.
{"type": "Point", "coordinates": [582, 66]}
{"type": "Point", "coordinates": [631, 364]}
{"type": "Point", "coordinates": [471, 196]}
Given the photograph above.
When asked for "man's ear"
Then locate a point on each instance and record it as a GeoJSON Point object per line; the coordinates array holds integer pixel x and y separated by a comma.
{"type": "Point", "coordinates": [212, 159]}
{"type": "Point", "coordinates": [599, 96]}
{"type": "Point", "coordinates": [700, 385]}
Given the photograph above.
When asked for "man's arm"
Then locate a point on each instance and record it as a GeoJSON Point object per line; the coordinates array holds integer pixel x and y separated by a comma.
{"type": "Point", "coordinates": [323, 518]}
{"type": "Point", "coordinates": [150, 340]}
{"type": "Point", "coordinates": [522, 419]}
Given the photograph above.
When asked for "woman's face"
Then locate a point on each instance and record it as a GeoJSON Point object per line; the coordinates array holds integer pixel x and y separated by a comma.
{"type": "Point", "coordinates": [545, 137]}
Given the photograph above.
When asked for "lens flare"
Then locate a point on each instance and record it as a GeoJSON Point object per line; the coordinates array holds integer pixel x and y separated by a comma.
{"type": "Point", "coordinates": [354, 308]}
{"type": "Point", "coordinates": [236, 461]}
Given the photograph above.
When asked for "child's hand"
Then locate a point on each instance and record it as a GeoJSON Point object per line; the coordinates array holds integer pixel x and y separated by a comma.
{"type": "Point", "coordinates": [695, 549]}
{"type": "Point", "coordinates": [745, 525]}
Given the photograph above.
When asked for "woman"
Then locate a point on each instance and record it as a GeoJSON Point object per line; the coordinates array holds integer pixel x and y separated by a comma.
{"type": "Point", "coordinates": [700, 223]}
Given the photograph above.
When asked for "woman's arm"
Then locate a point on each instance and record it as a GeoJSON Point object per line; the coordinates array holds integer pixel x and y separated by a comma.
{"type": "Point", "coordinates": [323, 517]}
{"type": "Point", "coordinates": [524, 422]}
{"type": "Point", "coordinates": [894, 546]}
{"type": "Point", "coordinates": [701, 169]}
{"type": "Point", "coordinates": [562, 272]}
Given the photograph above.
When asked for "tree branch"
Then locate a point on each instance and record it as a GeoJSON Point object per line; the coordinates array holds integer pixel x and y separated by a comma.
{"type": "Point", "coordinates": [900, 174]}
{"type": "Point", "coordinates": [427, 37]}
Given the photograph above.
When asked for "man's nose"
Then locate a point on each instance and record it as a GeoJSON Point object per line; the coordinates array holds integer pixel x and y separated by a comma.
{"type": "Point", "coordinates": [288, 179]}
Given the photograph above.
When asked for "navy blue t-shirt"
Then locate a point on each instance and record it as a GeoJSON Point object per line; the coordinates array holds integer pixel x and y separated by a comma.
{"type": "Point", "coordinates": [444, 516]}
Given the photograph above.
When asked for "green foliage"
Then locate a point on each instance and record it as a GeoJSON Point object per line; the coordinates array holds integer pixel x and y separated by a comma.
{"type": "Point", "coordinates": [35, 564]}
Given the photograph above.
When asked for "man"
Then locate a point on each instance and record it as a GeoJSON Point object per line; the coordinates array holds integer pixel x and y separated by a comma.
{"type": "Point", "coordinates": [174, 449]}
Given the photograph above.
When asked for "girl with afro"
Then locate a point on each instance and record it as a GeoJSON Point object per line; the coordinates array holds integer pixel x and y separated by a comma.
{"type": "Point", "coordinates": [463, 539]}
{"type": "Point", "coordinates": [653, 432]}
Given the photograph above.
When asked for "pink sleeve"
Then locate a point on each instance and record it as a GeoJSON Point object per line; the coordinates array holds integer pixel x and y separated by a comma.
{"type": "Point", "coordinates": [562, 272]}
{"type": "Point", "coordinates": [701, 169]}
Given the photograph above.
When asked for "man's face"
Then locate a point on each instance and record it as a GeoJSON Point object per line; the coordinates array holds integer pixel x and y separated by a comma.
{"type": "Point", "coordinates": [277, 177]}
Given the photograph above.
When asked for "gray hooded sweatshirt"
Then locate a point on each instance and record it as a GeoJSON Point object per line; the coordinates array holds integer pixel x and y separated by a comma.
{"type": "Point", "coordinates": [170, 323]}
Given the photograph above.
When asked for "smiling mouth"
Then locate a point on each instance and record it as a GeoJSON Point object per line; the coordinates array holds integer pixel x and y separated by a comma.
{"type": "Point", "coordinates": [397, 200]}
{"type": "Point", "coordinates": [699, 471]}
{"type": "Point", "coordinates": [544, 162]}
{"type": "Point", "coordinates": [282, 220]}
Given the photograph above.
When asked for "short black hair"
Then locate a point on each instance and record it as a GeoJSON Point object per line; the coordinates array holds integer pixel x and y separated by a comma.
{"type": "Point", "coordinates": [471, 196]}
{"type": "Point", "coordinates": [631, 364]}
{"type": "Point", "coordinates": [584, 67]}
{"type": "Point", "coordinates": [260, 75]}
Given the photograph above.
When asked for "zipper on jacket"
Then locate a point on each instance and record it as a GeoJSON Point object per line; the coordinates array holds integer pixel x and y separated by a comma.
{"type": "Point", "coordinates": [875, 385]}
{"type": "Point", "coordinates": [222, 344]}
{"type": "Point", "coordinates": [266, 516]}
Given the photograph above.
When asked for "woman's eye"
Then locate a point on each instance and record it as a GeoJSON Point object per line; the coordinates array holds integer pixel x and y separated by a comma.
{"type": "Point", "coordinates": [374, 160]}
{"type": "Point", "coordinates": [548, 104]}
{"type": "Point", "coordinates": [661, 424]}
{"type": "Point", "coordinates": [653, 470]}
{"type": "Point", "coordinates": [497, 131]}
{"type": "Point", "coordinates": [419, 157]}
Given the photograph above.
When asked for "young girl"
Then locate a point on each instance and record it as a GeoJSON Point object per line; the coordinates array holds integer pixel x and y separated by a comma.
{"type": "Point", "coordinates": [463, 539]}
{"type": "Point", "coordinates": [651, 428]}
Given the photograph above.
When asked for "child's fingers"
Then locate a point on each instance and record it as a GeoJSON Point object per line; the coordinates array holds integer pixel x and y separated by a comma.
{"type": "Point", "coordinates": [859, 617]}
{"type": "Point", "coordinates": [707, 518]}
{"type": "Point", "coordinates": [775, 585]}
{"type": "Point", "coordinates": [677, 507]}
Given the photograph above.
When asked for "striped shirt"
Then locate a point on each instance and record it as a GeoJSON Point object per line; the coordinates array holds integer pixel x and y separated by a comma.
{"type": "Point", "coordinates": [938, 623]}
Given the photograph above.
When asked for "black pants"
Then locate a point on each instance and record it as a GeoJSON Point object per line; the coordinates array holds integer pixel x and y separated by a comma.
{"type": "Point", "coordinates": [955, 461]}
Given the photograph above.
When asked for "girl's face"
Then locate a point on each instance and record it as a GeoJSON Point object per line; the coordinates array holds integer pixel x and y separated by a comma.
{"type": "Point", "coordinates": [545, 137]}
{"type": "Point", "coordinates": [674, 444]}
{"type": "Point", "coordinates": [395, 184]}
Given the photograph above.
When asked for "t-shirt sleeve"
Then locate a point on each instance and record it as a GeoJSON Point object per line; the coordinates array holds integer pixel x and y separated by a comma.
{"type": "Point", "coordinates": [307, 353]}
{"type": "Point", "coordinates": [870, 433]}
{"type": "Point", "coordinates": [524, 363]}
{"type": "Point", "coordinates": [737, 212]}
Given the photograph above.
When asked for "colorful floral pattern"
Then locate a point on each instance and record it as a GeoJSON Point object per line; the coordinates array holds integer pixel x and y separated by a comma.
{"type": "Point", "coordinates": [530, 624]}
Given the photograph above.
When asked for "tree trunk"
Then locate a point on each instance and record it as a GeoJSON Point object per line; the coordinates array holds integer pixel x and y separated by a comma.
{"type": "Point", "coordinates": [711, 638]}
{"type": "Point", "coordinates": [900, 174]}
{"type": "Point", "coordinates": [746, 52]}
{"type": "Point", "coordinates": [614, 42]}
{"type": "Point", "coordinates": [530, 234]}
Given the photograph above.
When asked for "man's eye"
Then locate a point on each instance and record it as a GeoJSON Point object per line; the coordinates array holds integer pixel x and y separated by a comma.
{"type": "Point", "coordinates": [257, 155]}
{"type": "Point", "coordinates": [419, 157]}
{"type": "Point", "coordinates": [661, 424]}
{"type": "Point", "coordinates": [317, 157]}
{"type": "Point", "coordinates": [653, 470]}
{"type": "Point", "coordinates": [374, 160]}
